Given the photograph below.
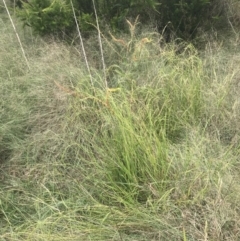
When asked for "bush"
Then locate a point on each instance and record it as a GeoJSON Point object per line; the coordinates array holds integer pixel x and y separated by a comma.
{"type": "Point", "coordinates": [51, 17]}
{"type": "Point", "coordinates": [182, 17]}
{"type": "Point", "coordinates": [45, 16]}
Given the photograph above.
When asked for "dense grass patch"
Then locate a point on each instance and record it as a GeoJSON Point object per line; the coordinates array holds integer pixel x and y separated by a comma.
{"type": "Point", "coordinates": [152, 157]}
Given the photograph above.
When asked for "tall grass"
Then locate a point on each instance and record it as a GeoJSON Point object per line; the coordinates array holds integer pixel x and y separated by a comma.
{"type": "Point", "coordinates": [153, 157]}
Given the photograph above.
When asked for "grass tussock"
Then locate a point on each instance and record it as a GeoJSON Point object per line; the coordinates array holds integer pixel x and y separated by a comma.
{"type": "Point", "coordinates": [152, 157]}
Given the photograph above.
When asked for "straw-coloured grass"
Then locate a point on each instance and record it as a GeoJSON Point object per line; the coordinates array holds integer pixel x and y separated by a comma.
{"type": "Point", "coordinates": [154, 156]}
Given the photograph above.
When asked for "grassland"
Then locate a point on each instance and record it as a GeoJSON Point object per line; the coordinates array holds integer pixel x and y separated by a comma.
{"type": "Point", "coordinates": [146, 150]}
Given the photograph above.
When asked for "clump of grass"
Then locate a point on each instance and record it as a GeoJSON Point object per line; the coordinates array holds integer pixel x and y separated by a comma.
{"type": "Point", "coordinates": [138, 160]}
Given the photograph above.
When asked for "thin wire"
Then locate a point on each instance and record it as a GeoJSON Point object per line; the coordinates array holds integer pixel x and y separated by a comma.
{"type": "Point", "coordinates": [24, 55]}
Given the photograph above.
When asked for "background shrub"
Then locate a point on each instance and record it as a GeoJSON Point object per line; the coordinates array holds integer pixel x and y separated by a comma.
{"type": "Point", "coordinates": [47, 16]}
{"type": "Point", "coordinates": [181, 17]}
{"type": "Point", "coordinates": [185, 17]}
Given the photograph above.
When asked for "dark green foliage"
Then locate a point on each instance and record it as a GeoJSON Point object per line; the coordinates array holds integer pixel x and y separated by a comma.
{"type": "Point", "coordinates": [116, 12]}
{"type": "Point", "coordinates": [47, 16]}
{"type": "Point", "coordinates": [17, 3]}
{"type": "Point", "coordinates": [184, 17]}
{"type": "Point", "coordinates": [54, 16]}
{"type": "Point", "coordinates": [181, 17]}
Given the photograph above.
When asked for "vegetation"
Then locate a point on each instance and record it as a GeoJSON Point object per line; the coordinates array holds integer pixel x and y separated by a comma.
{"type": "Point", "coordinates": [141, 143]}
{"type": "Point", "coordinates": [173, 17]}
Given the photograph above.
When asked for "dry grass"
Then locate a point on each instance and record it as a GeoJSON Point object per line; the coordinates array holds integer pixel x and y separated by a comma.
{"type": "Point", "coordinates": [153, 158]}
